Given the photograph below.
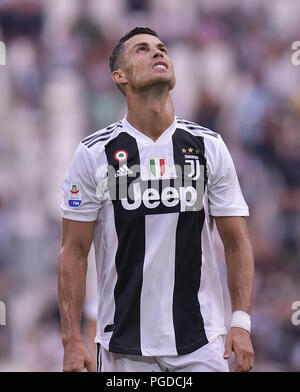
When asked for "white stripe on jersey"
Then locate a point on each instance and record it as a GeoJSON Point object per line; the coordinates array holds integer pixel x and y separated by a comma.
{"type": "Point", "coordinates": [159, 267]}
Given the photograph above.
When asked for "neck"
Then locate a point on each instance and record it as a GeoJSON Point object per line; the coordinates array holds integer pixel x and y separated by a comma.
{"type": "Point", "coordinates": [151, 112]}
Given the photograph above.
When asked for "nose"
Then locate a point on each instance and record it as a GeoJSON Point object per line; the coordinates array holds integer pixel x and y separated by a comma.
{"type": "Point", "coordinates": [157, 53]}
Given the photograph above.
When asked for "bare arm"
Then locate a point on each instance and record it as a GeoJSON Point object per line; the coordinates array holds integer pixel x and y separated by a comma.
{"type": "Point", "coordinates": [240, 278]}
{"type": "Point", "coordinates": [76, 241]}
{"type": "Point", "coordinates": [239, 260]}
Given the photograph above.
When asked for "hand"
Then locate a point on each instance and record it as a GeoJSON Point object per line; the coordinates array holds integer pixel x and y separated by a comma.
{"type": "Point", "coordinates": [238, 340]}
{"type": "Point", "coordinates": [77, 357]}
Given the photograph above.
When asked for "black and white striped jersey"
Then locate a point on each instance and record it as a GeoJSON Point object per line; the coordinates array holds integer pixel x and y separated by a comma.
{"type": "Point", "coordinates": [159, 290]}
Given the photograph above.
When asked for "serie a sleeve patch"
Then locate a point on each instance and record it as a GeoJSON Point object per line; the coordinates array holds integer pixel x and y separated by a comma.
{"type": "Point", "coordinates": [74, 195]}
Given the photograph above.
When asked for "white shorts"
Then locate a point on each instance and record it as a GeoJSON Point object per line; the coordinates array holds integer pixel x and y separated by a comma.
{"type": "Point", "coordinates": [208, 358]}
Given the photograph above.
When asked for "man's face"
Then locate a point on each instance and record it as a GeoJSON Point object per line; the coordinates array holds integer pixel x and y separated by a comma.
{"type": "Point", "coordinates": [146, 62]}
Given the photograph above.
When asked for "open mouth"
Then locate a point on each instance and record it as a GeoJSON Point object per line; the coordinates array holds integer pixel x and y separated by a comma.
{"type": "Point", "coordinates": [160, 65]}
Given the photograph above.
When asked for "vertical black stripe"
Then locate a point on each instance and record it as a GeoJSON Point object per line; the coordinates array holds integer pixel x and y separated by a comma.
{"type": "Point", "coordinates": [129, 257]}
{"type": "Point", "coordinates": [98, 349]}
{"type": "Point", "coordinates": [100, 359]}
{"type": "Point", "coordinates": [187, 317]}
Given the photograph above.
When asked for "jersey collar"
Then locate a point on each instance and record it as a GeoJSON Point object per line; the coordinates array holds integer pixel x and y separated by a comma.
{"type": "Point", "coordinates": [163, 139]}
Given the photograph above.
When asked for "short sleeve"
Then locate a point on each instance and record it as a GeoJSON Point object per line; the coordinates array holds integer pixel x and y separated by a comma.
{"type": "Point", "coordinates": [224, 193]}
{"type": "Point", "coordinates": [80, 201]}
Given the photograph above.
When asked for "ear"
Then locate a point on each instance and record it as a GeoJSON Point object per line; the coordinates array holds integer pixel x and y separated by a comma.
{"type": "Point", "coordinates": [119, 77]}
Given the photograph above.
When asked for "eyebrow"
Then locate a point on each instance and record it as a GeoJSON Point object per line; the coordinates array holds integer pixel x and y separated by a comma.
{"type": "Point", "coordinates": [159, 45]}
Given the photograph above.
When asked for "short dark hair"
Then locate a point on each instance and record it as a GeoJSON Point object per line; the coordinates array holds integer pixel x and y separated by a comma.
{"type": "Point", "coordinates": [114, 62]}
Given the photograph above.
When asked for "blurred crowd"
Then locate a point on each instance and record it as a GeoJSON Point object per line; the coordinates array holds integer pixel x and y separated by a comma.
{"type": "Point", "coordinates": [234, 74]}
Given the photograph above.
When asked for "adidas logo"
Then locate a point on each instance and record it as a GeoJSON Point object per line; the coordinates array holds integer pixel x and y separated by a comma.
{"type": "Point", "coordinates": [123, 171]}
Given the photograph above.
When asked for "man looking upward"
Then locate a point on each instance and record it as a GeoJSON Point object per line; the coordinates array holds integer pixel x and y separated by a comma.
{"type": "Point", "coordinates": [149, 191]}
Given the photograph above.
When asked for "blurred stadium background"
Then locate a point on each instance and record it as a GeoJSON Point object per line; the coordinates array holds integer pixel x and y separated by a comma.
{"type": "Point", "coordinates": [234, 74]}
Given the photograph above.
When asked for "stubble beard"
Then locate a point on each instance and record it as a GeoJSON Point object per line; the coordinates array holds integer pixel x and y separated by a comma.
{"type": "Point", "coordinates": [159, 85]}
